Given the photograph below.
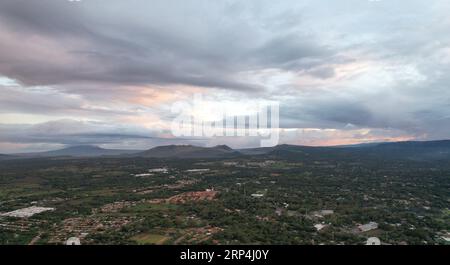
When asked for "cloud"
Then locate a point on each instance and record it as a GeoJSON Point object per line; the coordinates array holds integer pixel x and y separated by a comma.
{"type": "Point", "coordinates": [67, 132]}
{"type": "Point", "coordinates": [73, 132]}
{"type": "Point", "coordinates": [335, 67]}
{"type": "Point", "coordinates": [71, 45]}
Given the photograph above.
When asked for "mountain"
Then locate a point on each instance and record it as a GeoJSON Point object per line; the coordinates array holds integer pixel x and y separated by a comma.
{"type": "Point", "coordinates": [415, 150]}
{"type": "Point", "coordinates": [5, 157]}
{"type": "Point", "coordinates": [279, 150]}
{"type": "Point", "coordinates": [81, 151]}
{"type": "Point", "coordinates": [441, 144]}
{"type": "Point", "coordinates": [412, 150]}
{"type": "Point", "coordinates": [189, 151]}
{"type": "Point", "coordinates": [361, 145]}
{"type": "Point", "coordinates": [256, 151]}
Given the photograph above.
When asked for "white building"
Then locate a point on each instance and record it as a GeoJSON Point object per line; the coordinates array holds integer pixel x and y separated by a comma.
{"type": "Point", "coordinates": [373, 241]}
{"type": "Point", "coordinates": [368, 227]}
{"type": "Point", "coordinates": [73, 241]}
{"type": "Point", "coordinates": [27, 212]}
{"type": "Point", "coordinates": [319, 226]}
{"type": "Point", "coordinates": [143, 175]}
{"type": "Point", "coordinates": [446, 237]}
{"type": "Point", "coordinates": [158, 170]}
{"type": "Point", "coordinates": [198, 170]}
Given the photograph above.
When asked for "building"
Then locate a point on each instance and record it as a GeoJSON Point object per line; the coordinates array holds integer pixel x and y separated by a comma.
{"type": "Point", "coordinates": [368, 227]}
{"type": "Point", "coordinates": [27, 212]}
{"type": "Point", "coordinates": [319, 226]}
{"type": "Point", "coordinates": [446, 237]}
{"type": "Point", "coordinates": [326, 212]}
{"type": "Point", "coordinates": [279, 211]}
{"type": "Point", "coordinates": [230, 163]}
{"type": "Point", "coordinates": [143, 175]}
{"type": "Point", "coordinates": [322, 213]}
{"type": "Point", "coordinates": [373, 241]}
{"type": "Point", "coordinates": [158, 170]}
{"type": "Point", "coordinates": [198, 170]}
{"type": "Point", "coordinates": [73, 241]}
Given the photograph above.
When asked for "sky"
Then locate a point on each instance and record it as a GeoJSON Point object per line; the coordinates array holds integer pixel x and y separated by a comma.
{"type": "Point", "coordinates": [107, 72]}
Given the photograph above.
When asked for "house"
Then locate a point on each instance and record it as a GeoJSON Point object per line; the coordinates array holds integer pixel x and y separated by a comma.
{"type": "Point", "coordinates": [279, 211]}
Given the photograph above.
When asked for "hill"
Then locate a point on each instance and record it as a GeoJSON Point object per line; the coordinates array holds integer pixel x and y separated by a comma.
{"type": "Point", "coordinates": [189, 151]}
{"type": "Point", "coordinates": [81, 151]}
{"type": "Point", "coordinates": [4, 157]}
{"type": "Point", "coordinates": [413, 150]}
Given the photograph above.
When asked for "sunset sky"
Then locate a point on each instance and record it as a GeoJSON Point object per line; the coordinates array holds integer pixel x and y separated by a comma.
{"type": "Point", "coordinates": [106, 72]}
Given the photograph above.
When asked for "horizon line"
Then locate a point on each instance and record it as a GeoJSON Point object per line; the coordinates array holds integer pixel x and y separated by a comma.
{"type": "Point", "coordinates": [300, 145]}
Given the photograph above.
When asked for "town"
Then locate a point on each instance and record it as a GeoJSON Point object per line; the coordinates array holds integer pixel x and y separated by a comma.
{"type": "Point", "coordinates": [239, 200]}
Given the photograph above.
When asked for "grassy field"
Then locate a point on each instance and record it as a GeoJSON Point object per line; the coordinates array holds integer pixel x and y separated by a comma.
{"type": "Point", "coordinates": [150, 239]}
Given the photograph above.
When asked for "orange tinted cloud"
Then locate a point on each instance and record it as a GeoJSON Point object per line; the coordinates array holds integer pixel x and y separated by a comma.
{"type": "Point", "coordinates": [333, 137]}
{"type": "Point", "coordinates": [151, 96]}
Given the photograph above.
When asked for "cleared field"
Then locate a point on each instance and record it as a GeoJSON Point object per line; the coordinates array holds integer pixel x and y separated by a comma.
{"type": "Point", "coordinates": [150, 239]}
{"type": "Point", "coordinates": [147, 207]}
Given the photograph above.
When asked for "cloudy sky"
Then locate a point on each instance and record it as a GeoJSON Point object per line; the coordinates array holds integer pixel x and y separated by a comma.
{"type": "Point", "coordinates": [106, 72]}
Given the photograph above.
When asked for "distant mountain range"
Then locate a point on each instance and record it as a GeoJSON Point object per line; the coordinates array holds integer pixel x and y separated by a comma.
{"type": "Point", "coordinates": [416, 144]}
{"type": "Point", "coordinates": [175, 151]}
{"type": "Point", "coordinates": [80, 151]}
{"type": "Point", "coordinates": [410, 150]}
{"type": "Point", "coordinates": [414, 150]}
{"type": "Point", "coordinates": [3, 157]}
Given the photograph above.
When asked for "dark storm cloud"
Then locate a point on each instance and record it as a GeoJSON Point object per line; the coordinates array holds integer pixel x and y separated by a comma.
{"type": "Point", "coordinates": [327, 113]}
{"type": "Point", "coordinates": [71, 132]}
{"type": "Point", "coordinates": [348, 112]}
{"type": "Point", "coordinates": [17, 99]}
{"type": "Point", "coordinates": [54, 134]}
{"type": "Point", "coordinates": [281, 51]}
{"type": "Point", "coordinates": [42, 17]}
{"type": "Point", "coordinates": [101, 49]}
